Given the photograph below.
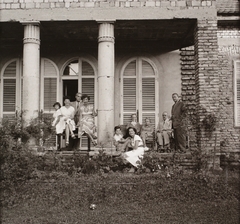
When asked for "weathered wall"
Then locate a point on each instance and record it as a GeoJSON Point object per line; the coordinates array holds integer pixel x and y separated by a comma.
{"type": "Point", "coordinates": [45, 10]}
{"type": "Point", "coordinates": [229, 50]}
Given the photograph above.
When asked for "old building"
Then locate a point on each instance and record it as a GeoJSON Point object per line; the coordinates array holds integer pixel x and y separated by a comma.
{"type": "Point", "coordinates": [129, 56]}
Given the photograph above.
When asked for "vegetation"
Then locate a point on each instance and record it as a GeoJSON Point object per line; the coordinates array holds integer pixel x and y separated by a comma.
{"type": "Point", "coordinates": [54, 189]}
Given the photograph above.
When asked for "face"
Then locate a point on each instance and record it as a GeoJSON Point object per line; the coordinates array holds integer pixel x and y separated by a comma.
{"type": "Point", "coordinates": [175, 98]}
{"type": "Point", "coordinates": [147, 121]}
{"type": "Point", "coordinates": [56, 107]}
{"type": "Point", "coordinates": [78, 97]}
{"type": "Point", "coordinates": [85, 100]}
{"type": "Point", "coordinates": [131, 132]}
{"type": "Point", "coordinates": [67, 102]}
{"type": "Point", "coordinates": [118, 131]}
{"type": "Point", "coordinates": [134, 117]}
{"type": "Point", "coordinates": [164, 116]}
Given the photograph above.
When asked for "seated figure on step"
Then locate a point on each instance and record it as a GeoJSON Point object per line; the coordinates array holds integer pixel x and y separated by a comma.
{"type": "Point", "coordinates": [163, 133]}
{"type": "Point", "coordinates": [86, 124]}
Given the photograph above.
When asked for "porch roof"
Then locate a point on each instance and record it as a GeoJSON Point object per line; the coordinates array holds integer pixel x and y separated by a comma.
{"type": "Point", "coordinates": [165, 35]}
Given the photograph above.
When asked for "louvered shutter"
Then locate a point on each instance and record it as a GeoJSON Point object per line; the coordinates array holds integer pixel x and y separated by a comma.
{"type": "Point", "coordinates": [129, 92]}
{"type": "Point", "coordinates": [49, 86]}
{"type": "Point", "coordinates": [237, 92]}
{"type": "Point", "coordinates": [148, 92]}
{"type": "Point", "coordinates": [9, 90]}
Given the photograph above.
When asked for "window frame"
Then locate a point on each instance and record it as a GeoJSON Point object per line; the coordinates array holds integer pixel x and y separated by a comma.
{"type": "Point", "coordinates": [235, 77]}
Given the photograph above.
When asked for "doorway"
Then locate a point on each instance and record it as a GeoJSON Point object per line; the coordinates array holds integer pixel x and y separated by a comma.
{"type": "Point", "coordinates": [70, 88]}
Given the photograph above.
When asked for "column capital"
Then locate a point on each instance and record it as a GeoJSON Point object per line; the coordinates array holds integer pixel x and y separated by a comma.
{"type": "Point", "coordinates": [31, 32]}
{"type": "Point", "coordinates": [106, 32]}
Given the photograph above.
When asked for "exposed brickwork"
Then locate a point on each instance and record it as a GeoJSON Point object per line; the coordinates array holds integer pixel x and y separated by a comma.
{"type": "Point", "coordinates": [188, 90]}
{"type": "Point", "coordinates": [207, 81]}
{"type": "Point", "coordinates": [230, 136]}
{"type": "Point", "coordinates": [182, 4]}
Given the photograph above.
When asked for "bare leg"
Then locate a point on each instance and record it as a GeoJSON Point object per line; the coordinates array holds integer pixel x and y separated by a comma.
{"type": "Point", "coordinates": [67, 134]}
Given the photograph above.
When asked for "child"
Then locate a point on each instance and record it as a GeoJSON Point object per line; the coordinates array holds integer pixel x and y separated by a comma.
{"type": "Point", "coordinates": [118, 141]}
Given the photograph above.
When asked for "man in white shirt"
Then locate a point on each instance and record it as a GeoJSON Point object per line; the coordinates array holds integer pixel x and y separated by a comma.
{"type": "Point", "coordinates": [164, 131]}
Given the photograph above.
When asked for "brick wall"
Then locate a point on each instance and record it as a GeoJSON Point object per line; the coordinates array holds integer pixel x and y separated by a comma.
{"type": "Point", "coordinates": [207, 82]}
{"type": "Point", "coordinates": [228, 52]}
{"type": "Point", "coordinates": [188, 90]}
{"type": "Point", "coordinates": [44, 4]}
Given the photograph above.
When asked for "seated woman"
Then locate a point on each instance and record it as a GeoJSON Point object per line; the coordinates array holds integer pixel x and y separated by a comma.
{"type": "Point", "coordinates": [147, 131]}
{"type": "Point", "coordinates": [134, 124]}
{"type": "Point", "coordinates": [136, 144]}
{"type": "Point", "coordinates": [64, 120]}
{"type": "Point", "coordinates": [86, 122]}
{"type": "Point", "coordinates": [118, 141]}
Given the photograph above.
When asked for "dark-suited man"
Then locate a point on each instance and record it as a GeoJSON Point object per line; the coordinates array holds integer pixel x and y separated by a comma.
{"type": "Point", "coordinates": [178, 111]}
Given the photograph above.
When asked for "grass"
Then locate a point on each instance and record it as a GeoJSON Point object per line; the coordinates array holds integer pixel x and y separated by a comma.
{"type": "Point", "coordinates": [121, 198]}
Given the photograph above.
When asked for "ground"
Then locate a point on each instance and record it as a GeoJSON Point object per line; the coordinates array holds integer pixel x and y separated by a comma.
{"type": "Point", "coordinates": [122, 198]}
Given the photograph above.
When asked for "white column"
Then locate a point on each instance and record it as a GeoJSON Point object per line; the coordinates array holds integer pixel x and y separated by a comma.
{"type": "Point", "coordinates": [105, 82]}
{"type": "Point", "coordinates": [31, 70]}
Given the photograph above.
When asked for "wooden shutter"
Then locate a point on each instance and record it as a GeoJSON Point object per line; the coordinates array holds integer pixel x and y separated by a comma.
{"type": "Point", "coordinates": [129, 91]}
{"type": "Point", "coordinates": [9, 89]}
{"type": "Point", "coordinates": [49, 85]}
{"type": "Point", "coordinates": [9, 95]}
{"type": "Point", "coordinates": [237, 92]}
{"type": "Point", "coordinates": [148, 92]}
{"type": "Point", "coordinates": [50, 93]}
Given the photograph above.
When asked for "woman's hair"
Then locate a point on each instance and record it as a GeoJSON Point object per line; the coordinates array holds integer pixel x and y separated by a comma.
{"type": "Point", "coordinates": [57, 103]}
{"type": "Point", "coordinates": [116, 128]}
{"type": "Point", "coordinates": [66, 98]}
{"type": "Point", "coordinates": [85, 96]}
{"type": "Point", "coordinates": [134, 129]}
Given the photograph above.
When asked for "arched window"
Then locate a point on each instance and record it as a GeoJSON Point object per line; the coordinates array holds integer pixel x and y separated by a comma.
{"type": "Point", "coordinates": [139, 90]}
{"type": "Point", "coordinates": [11, 94]}
{"type": "Point", "coordinates": [79, 75]}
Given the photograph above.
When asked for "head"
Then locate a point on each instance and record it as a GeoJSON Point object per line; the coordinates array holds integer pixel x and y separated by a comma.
{"type": "Point", "coordinates": [85, 98]}
{"type": "Point", "coordinates": [67, 101]}
{"type": "Point", "coordinates": [56, 105]}
{"type": "Point", "coordinates": [131, 131]}
{"type": "Point", "coordinates": [147, 121]}
{"type": "Point", "coordinates": [78, 97]}
{"type": "Point", "coordinates": [175, 97]}
{"type": "Point", "coordinates": [164, 115]}
{"type": "Point", "coordinates": [117, 130]}
{"type": "Point", "coordinates": [134, 117]}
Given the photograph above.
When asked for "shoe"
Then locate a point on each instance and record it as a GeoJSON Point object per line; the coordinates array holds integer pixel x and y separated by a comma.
{"type": "Point", "coordinates": [132, 170]}
{"type": "Point", "coordinates": [73, 136]}
{"type": "Point", "coordinates": [67, 144]}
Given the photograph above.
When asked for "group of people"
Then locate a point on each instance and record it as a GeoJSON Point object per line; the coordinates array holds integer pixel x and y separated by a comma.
{"type": "Point", "coordinates": [137, 135]}
{"type": "Point", "coordinates": [75, 115]}
{"type": "Point", "coordinates": [133, 144]}
{"type": "Point", "coordinates": [80, 115]}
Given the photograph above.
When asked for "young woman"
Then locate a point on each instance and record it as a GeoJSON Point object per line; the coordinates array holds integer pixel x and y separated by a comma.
{"type": "Point", "coordinates": [86, 123]}
{"type": "Point", "coordinates": [64, 120]}
{"type": "Point", "coordinates": [137, 146]}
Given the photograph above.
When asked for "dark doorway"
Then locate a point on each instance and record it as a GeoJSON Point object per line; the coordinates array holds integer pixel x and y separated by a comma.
{"type": "Point", "coordinates": [70, 88]}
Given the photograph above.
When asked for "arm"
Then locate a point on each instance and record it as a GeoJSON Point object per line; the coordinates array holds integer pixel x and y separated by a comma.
{"type": "Point", "coordinates": [136, 143]}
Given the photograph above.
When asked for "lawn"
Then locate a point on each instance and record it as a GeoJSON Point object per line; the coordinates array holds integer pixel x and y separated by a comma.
{"type": "Point", "coordinates": [122, 198]}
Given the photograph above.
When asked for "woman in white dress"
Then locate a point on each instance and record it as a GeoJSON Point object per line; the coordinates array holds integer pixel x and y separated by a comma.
{"type": "Point", "coordinates": [136, 144]}
{"type": "Point", "coordinates": [64, 120]}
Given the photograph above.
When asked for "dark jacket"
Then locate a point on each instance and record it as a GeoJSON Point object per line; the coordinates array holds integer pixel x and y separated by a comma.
{"type": "Point", "coordinates": [178, 111]}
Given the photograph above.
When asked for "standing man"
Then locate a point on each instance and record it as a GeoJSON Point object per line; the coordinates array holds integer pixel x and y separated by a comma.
{"type": "Point", "coordinates": [76, 104]}
{"type": "Point", "coordinates": [178, 111]}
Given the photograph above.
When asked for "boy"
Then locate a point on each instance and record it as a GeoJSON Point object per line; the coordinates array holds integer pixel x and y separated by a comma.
{"type": "Point", "coordinates": [118, 141]}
